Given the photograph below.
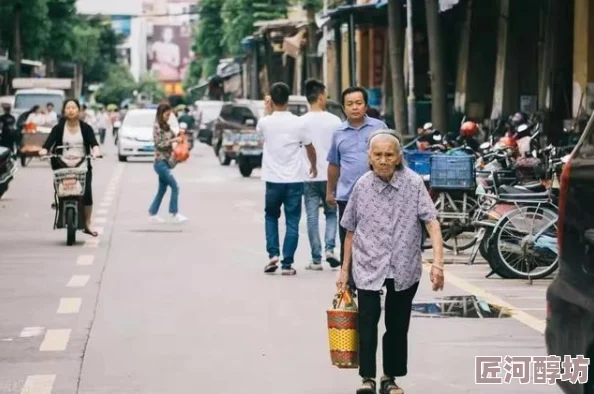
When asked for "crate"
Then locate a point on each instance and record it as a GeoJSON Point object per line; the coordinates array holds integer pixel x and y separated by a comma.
{"type": "Point", "coordinates": [452, 172]}
{"type": "Point", "coordinates": [419, 162]}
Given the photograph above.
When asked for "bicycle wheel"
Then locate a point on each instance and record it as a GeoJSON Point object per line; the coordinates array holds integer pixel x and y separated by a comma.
{"type": "Point", "coordinates": [454, 217]}
{"type": "Point", "coordinates": [517, 248]}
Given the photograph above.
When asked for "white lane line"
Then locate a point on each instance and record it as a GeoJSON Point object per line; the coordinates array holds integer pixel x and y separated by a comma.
{"type": "Point", "coordinates": [85, 259]}
{"type": "Point", "coordinates": [38, 384]}
{"type": "Point", "coordinates": [55, 340]}
{"type": "Point", "coordinates": [521, 316]}
{"type": "Point", "coordinates": [105, 204]}
{"type": "Point", "coordinates": [102, 212]}
{"type": "Point", "coordinates": [69, 306]}
{"type": "Point", "coordinates": [100, 220]}
{"type": "Point", "coordinates": [30, 332]}
{"type": "Point", "coordinates": [78, 281]}
{"type": "Point", "coordinates": [100, 230]}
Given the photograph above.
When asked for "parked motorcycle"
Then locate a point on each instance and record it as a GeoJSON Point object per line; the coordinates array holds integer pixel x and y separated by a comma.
{"type": "Point", "coordinates": [7, 169]}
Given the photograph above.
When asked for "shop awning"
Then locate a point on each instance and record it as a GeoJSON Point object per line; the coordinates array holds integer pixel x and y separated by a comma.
{"type": "Point", "coordinates": [364, 14]}
{"type": "Point", "coordinates": [444, 5]}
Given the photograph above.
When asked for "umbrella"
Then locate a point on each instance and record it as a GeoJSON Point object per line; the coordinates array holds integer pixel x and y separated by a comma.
{"type": "Point", "coordinates": [112, 107]}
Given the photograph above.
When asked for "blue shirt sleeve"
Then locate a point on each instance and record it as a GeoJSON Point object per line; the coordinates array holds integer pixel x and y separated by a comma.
{"type": "Point", "coordinates": [333, 153]}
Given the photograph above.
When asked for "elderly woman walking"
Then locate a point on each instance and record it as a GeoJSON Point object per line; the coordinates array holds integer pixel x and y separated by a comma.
{"type": "Point", "coordinates": [384, 219]}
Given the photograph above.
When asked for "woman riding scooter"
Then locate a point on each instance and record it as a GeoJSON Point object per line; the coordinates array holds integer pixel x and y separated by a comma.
{"type": "Point", "coordinates": [72, 131]}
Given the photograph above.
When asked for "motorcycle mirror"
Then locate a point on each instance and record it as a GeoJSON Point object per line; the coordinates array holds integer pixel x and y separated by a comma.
{"type": "Point", "coordinates": [485, 145]}
{"type": "Point", "coordinates": [535, 154]}
{"type": "Point", "coordinates": [565, 159]}
{"type": "Point", "coordinates": [522, 128]}
{"type": "Point", "coordinates": [437, 137]}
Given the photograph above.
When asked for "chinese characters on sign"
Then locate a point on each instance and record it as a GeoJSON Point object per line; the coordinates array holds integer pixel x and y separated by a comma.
{"type": "Point", "coordinates": [535, 370]}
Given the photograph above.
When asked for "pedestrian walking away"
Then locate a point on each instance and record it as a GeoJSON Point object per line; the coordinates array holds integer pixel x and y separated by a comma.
{"type": "Point", "coordinates": [384, 218]}
{"type": "Point", "coordinates": [283, 170]}
{"type": "Point", "coordinates": [164, 162]}
{"type": "Point", "coordinates": [347, 157]}
{"type": "Point", "coordinates": [320, 125]}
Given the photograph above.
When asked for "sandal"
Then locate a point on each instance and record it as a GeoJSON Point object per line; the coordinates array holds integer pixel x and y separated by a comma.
{"type": "Point", "coordinates": [289, 271]}
{"type": "Point", "coordinates": [389, 386]}
{"type": "Point", "coordinates": [272, 265]}
{"type": "Point", "coordinates": [368, 387]}
{"type": "Point", "coordinates": [91, 233]}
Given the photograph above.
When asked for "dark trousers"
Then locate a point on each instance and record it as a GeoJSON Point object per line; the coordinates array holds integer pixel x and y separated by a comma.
{"type": "Point", "coordinates": [290, 196]}
{"type": "Point", "coordinates": [395, 341]}
{"type": "Point", "coordinates": [342, 232]}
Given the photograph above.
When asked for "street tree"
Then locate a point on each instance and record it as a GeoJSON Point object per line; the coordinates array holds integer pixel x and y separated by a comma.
{"type": "Point", "coordinates": [62, 18]}
{"type": "Point", "coordinates": [150, 86]}
{"type": "Point", "coordinates": [396, 62]}
{"type": "Point", "coordinates": [120, 85]}
{"type": "Point", "coordinates": [239, 23]}
{"type": "Point", "coordinates": [209, 45]}
{"type": "Point", "coordinates": [24, 29]}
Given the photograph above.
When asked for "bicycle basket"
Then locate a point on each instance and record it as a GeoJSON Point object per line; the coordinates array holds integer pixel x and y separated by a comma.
{"type": "Point", "coordinates": [70, 182]}
{"type": "Point", "coordinates": [419, 162]}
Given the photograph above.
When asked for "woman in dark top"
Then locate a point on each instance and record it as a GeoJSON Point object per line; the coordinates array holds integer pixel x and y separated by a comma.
{"type": "Point", "coordinates": [72, 131]}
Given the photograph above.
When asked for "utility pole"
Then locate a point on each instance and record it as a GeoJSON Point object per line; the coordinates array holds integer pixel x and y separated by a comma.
{"type": "Point", "coordinates": [352, 60]}
{"type": "Point", "coordinates": [438, 91]}
{"type": "Point", "coordinates": [412, 105]}
{"type": "Point", "coordinates": [17, 47]}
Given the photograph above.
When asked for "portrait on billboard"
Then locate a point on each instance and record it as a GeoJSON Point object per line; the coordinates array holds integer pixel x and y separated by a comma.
{"type": "Point", "coordinates": [165, 53]}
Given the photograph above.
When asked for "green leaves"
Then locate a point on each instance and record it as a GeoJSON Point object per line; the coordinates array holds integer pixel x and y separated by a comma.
{"type": "Point", "coordinates": [119, 86]}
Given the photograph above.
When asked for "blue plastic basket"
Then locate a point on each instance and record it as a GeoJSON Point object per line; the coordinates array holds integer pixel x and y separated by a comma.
{"type": "Point", "coordinates": [419, 162]}
{"type": "Point", "coordinates": [452, 172]}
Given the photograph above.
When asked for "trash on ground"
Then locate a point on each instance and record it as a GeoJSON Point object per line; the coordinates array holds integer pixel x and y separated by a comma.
{"type": "Point", "coordinates": [459, 306]}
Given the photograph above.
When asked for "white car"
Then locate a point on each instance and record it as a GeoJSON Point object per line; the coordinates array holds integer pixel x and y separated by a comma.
{"type": "Point", "coordinates": [135, 137]}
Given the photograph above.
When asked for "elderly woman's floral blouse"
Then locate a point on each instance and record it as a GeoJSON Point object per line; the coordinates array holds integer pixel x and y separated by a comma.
{"type": "Point", "coordinates": [163, 144]}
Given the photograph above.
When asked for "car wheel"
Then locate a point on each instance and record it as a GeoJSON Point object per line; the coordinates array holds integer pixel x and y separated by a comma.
{"type": "Point", "coordinates": [223, 158]}
{"type": "Point", "coordinates": [121, 157]}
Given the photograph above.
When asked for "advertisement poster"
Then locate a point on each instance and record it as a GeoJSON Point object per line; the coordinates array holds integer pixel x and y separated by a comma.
{"type": "Point", "coordinates": [169, 40]}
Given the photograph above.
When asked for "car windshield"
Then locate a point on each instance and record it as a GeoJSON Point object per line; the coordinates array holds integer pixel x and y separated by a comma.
{"type": "Point", "coordinates": [29, 100]}
{"type": "Point", "coordinates": [140, 119]}
{"type": "Point", "coordinates": [210, 112]}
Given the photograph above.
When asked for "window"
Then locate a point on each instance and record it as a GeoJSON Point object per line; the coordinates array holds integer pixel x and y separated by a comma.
{"type": "Point", "coordinates": [227, 112]}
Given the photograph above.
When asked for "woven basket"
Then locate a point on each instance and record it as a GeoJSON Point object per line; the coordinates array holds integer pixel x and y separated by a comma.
{"type": "Point", "coordinates": [343, 333]}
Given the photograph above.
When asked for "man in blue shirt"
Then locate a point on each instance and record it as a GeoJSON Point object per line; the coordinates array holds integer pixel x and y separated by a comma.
{"type": "Point", "coordinates": [347, 157]}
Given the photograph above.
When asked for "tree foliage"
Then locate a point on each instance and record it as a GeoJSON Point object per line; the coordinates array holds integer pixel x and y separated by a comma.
{"type": "Point", "coordinates": [61, 15]}
{"type": "Point", "coordinates": [35, 25]}
{"type": "Point", "coordinates": [209, 36]}
{"type": "Point", "coordinates": [119, 86]}
{"type": "Point", "coordinates": [267, 10]}
{"type": "Point", "coordinates": [150, 86]}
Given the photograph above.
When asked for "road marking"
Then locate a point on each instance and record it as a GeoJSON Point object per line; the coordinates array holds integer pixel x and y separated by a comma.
{"type": "Point", "coordinates": [102, 212]}
{"type": "Point", "coordinates": [78, 281]}
{"type": "Point", "coordinates": [38, 384]}
{"type": "Point", "coordinates": [101, 220]}
{"type": "Point", "coordinates": [55, 340]}
{"type": "Point", "coordinates": [105, 204]}
{"type": "Point", "coordinates": [30, 332]}
{"type": "Point", "coordinates": [69, 306]}
{"type": "Point", "coordinates": [99, 230]}
{"type": "Point", "coordinates": [519, 315]}
{"type": "Point", "coordinates": [85, 259]}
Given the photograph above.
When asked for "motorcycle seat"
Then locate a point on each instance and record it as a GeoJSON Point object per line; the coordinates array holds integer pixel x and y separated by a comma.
{"type": "Point", "coordinates": [520, 193]}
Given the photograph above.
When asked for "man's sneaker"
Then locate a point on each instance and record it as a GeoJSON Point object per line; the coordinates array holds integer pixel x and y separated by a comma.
{"type": "Point", "coordinates": [332, 259]}
{"type": "Point", "coordinates": [314, 267]}
{"type": "Point", "coordinates": [177, 218]}
{"type": "Point", "coordinates": [156, 219]}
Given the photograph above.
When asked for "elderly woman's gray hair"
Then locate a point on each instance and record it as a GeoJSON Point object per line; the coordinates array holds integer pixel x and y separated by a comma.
{"type": "Point", "coordinates": [385, 135]}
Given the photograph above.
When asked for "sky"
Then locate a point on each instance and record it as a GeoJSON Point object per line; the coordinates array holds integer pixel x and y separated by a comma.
{"type": "Point", "coordinates": [109, 7]}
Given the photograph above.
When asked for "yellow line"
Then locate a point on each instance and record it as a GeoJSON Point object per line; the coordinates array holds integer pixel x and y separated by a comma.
{"type": "Point", "coordinates": [516, 313]}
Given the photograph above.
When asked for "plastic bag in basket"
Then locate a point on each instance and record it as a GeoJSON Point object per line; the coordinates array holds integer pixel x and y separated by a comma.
{"type": "Point", "coordinates": [343, 331]}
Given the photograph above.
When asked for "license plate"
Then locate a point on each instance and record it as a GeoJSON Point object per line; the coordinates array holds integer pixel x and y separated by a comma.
{"type": "Point", "coordinates": [149, 148]}
{"type": "Point", "coordinates": [251, 152]}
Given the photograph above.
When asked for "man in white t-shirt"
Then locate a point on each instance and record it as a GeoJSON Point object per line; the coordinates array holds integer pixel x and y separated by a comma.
{"type": "Point", "coordinates": [320, 125]}
{"type": "Point", "coordinates": [284, 174]}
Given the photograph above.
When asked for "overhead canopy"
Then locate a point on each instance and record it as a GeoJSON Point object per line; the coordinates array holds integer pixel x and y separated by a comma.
{"type": "Point", "coordinates": [364, 14]}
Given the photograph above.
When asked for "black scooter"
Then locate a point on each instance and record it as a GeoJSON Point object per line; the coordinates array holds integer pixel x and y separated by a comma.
{"type": "Point", "coordinates": [7, 169]}
{"type": "Point", "coordinates": [69, 189]}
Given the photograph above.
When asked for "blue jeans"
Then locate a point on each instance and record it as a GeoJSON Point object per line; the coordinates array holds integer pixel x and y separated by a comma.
{"type": "Point", "coordinates": [289, 195]}
{"type": "Point", "coordinates": [165, 179]}
{"type": "Point", "coordinates": [313, 193]}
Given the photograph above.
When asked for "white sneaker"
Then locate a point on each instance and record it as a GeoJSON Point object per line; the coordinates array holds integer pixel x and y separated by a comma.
{"type": "Point", "coordinates": [177, 218]}
{"type": "Point", "coordinates": [156, 219]}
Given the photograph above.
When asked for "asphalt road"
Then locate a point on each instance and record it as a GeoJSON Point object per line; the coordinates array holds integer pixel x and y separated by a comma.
{"type": "Point", "coordinates": [187, 309]}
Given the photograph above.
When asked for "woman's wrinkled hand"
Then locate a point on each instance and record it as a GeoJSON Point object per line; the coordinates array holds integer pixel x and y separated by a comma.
{"type": "Point", "coordinates": [343, 280]}
{"type": "Point", "coordinates": [437, 278]}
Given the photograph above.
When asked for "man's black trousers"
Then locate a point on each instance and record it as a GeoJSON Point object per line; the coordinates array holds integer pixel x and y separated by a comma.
{"type": "Point", "coordinates": [395, 341]}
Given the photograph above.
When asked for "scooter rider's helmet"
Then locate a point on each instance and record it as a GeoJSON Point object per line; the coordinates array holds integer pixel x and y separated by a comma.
{"type": "Point", "coordinates": [469, 129]}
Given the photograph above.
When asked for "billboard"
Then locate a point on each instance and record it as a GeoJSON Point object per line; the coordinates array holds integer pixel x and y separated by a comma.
{"type": "Point", "coordinates": [169, 40]}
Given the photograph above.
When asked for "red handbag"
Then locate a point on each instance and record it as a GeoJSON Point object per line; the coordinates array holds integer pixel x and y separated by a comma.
{"type": "Point", "coordinates": [181, 152]}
